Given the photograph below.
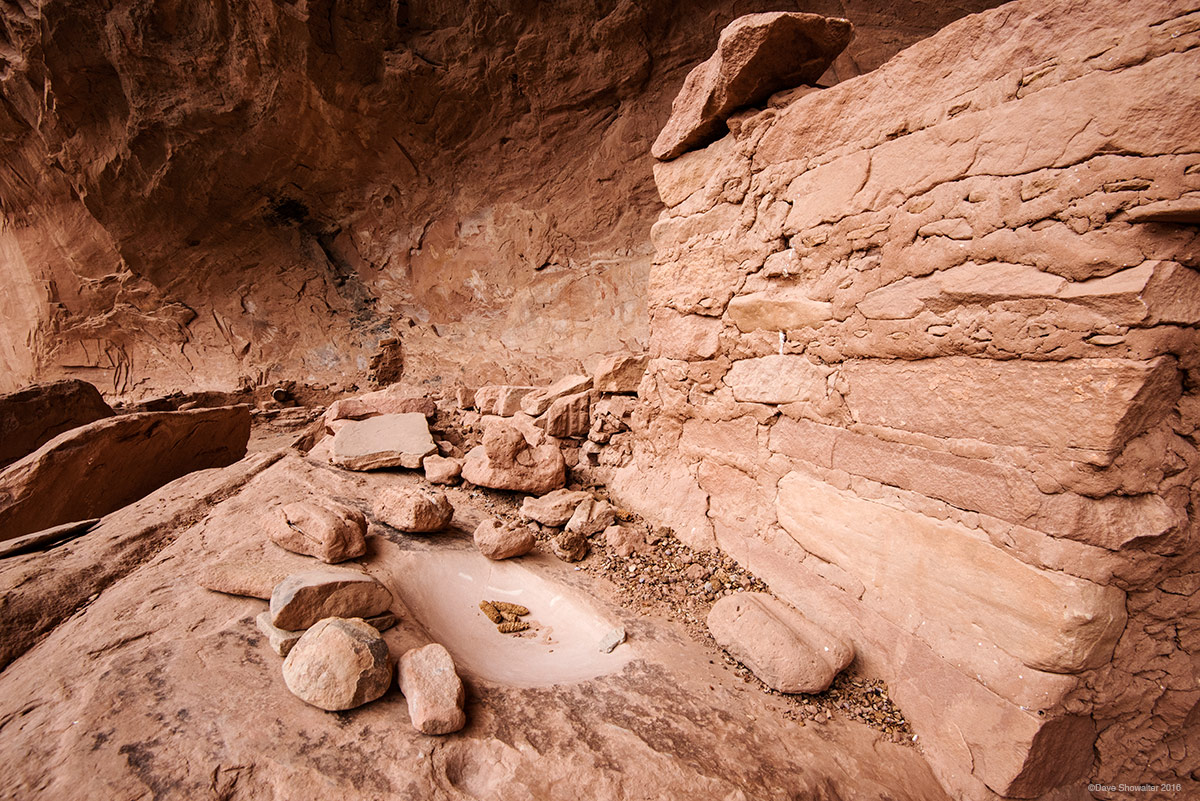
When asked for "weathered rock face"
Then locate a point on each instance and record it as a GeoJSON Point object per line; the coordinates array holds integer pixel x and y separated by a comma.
{"type": "Point", "coordinates": [279, 190]}
{"type": "Point", "coordinates": [921, 364]}
{"type": "Point", "coordinates": [35, 415]}
{"type": "Point", "coordinates": [98, 468]}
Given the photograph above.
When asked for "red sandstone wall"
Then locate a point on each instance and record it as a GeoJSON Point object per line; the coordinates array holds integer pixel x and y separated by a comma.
{"type": "Point", "coordinates": [207, 194]}
{"type": "Point", "coordinates": [924, 362]}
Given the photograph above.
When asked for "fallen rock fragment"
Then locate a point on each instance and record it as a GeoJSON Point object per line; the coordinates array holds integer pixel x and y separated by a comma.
{"type": "Point", "coordinates": [592, 517]}
{"type": "Point", "coordinates": [784, 649]}
{"type": "Point", "coordinates": [330, 531]}
{"type": "Point", "coordinates": [33, 416]}
{"type": "Point", "coordinates": [301, 599]}
{"type": "Point", "coordinates": [621, 372]}
{"type": "Point", "coordinates": [441, 470]}
{"type": "Point", "coordinates": [389, 440]}
{"type": "Point", "coordinates": [612, 639]}
{"type": "Point", "coordinates": [338, 664]}
{"type": "Point", "coordinates": [756, 56]}
{"type": "Point", "coordinates": [46, 538]}
{"type": "Point", "coordinates": [504, 401]}
{"type": "Point", "coordinates": [499, 540]}
{"type": "Point", "coordinates": [100, 467]}
{"type": "Point", "coordinates": [568, 416]}
{"type": "Point", "coordinates": [435, 694]}
{"type": "Point", "coordinates": [384, 401]}
{"type": "Point", "coordinates": [414, 511]}
{"type": "Point", "coordinates": [554, 508]}
{"type": "Point", "coordinates": [506, 460]}
{"type": "Point", "coordinates": [539, 401]}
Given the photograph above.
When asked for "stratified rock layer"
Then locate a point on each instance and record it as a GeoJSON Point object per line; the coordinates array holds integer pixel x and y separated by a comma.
{"type": "Point", "coordinates": [920, 363]}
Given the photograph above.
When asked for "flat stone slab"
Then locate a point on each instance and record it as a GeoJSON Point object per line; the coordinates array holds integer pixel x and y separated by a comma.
{"type": "Point", "coordinates": [388, 440]}
{"type": "Point", "coordinates": [301, 599]}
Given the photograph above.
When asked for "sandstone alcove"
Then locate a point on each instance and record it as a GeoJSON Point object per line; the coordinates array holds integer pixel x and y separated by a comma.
{"type": "Point", "coordinates": [820, 378]}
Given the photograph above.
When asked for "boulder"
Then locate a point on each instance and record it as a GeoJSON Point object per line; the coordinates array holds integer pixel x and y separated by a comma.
{"type": "Point", "coordinates": [328, 530]}
{"type": "Point", "coordinates": [435, 693]}
{"type": "Point", "coordinates": [537, 402]}
{"type": "Point", "coordinates": [338, 664]}
{"type": "Point", "coordinates": [621, 372]}
{"type": "Point", "coordinates": [498, 540]}
{"type": "Point", "coordinates": [37, 414]}
{"type": "Point", "coordinates": [756, 56]}
{"type": "Point", "coordinates": [302, 599]}
{"type": "Point", "coordinates": [388, 440]}
{"type": "Point", "coordinates": [502, 400]}
{"type": "Point", "coordinates": [100, 467]}
{"type": "Point", "coordinates": [788, 652]}
{"type": "Point", "coordinates": [441, 470]}
{"type": "Point", "coordinates": [569, 416]}
{"type": "Point", "coordinates": [592, 517]}
{"type": "Point", "coordinates": [553, 508]}
{"type": "Point", "coordinates": [414, 511]}
{"type": "Point", "coordinates": [506, 460]}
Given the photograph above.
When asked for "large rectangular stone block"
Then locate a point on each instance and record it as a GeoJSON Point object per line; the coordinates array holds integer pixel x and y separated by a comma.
{"type": "Point", "coordinates": [916, 569]}
{"type": "Point", "coordinates": [1084, 404]}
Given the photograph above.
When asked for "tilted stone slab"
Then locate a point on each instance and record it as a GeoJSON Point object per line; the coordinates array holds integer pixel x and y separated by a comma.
{"type": "Point", "coordinates": [98, 468]}
{"type": "Point", "coordinates": [757, 55]}
{"type": "Point", "coordinates": [1086, 404]}
{"type": "Point", "coordinates": [33, 416]}
{"type": "Point", "coordinates": [916, 568]}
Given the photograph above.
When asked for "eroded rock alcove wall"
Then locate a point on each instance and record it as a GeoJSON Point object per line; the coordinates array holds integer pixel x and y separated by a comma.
{"type": "Point", "coordinates": [924, 362]}
{"type": "Point", "coordinates": [204, 195]}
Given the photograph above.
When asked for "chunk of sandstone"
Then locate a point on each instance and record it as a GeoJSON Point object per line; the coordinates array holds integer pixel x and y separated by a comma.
{"type": "Point", "coordinates": [442, 470]}
{"type": "Point", "coordinates": [553, 508]}
{"type": "Point", "coordinates": [592, 517]}
{"type": "Point", "coordinates": [498, 540]}
{"type": "Point", "coordinates": [33, 416]}
{"type": "Point", "coordinates": [570, 546]}
{"type": "Point", "coordinates": [301, 599]}
{"type": "Point", "coordinates": [414, 511]}
{"type": "Point", "coordinates": [537, 402]}
{"type": "Point", "coordinates": [338, 664]}
{"type": "Point", "coordinates": [329, 531]}
{"type": "Point", "coordinates": [107, 464]}
{"type": "Point", "coordinates": [568, 417]}
{"type": "Point", "coordinates": [757, 55]}
{"type": "Point", "coordinates": [502, 400]}
{"type": "Point", "coordinates": [506, 460]}
{"type": "Point", "coordinates": [788, 652]}
{"type": "Point", "coordinates": [435, 694]}
{"type": "Point", "coordinates": [621, 372]}
{"type": "Point", "coordinates": [389, 440]}
{"type": "Point", "coordinates": [384, 401]}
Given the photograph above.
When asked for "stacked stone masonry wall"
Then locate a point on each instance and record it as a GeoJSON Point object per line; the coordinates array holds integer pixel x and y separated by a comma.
{"type": "Point", "coordinates": [923, 362]}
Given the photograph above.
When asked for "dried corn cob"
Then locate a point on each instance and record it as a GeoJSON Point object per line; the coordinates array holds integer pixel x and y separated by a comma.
{"type": "Point", "coordinates": [512, 627]}
{"type": "Point", "coordinates": [490, 610]}
{"type": "Point", "coordinates": [512, 609]}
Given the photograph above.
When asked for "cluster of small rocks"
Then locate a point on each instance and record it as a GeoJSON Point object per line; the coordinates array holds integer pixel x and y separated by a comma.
{"type": "Point", "coordinates": [516, 442]}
